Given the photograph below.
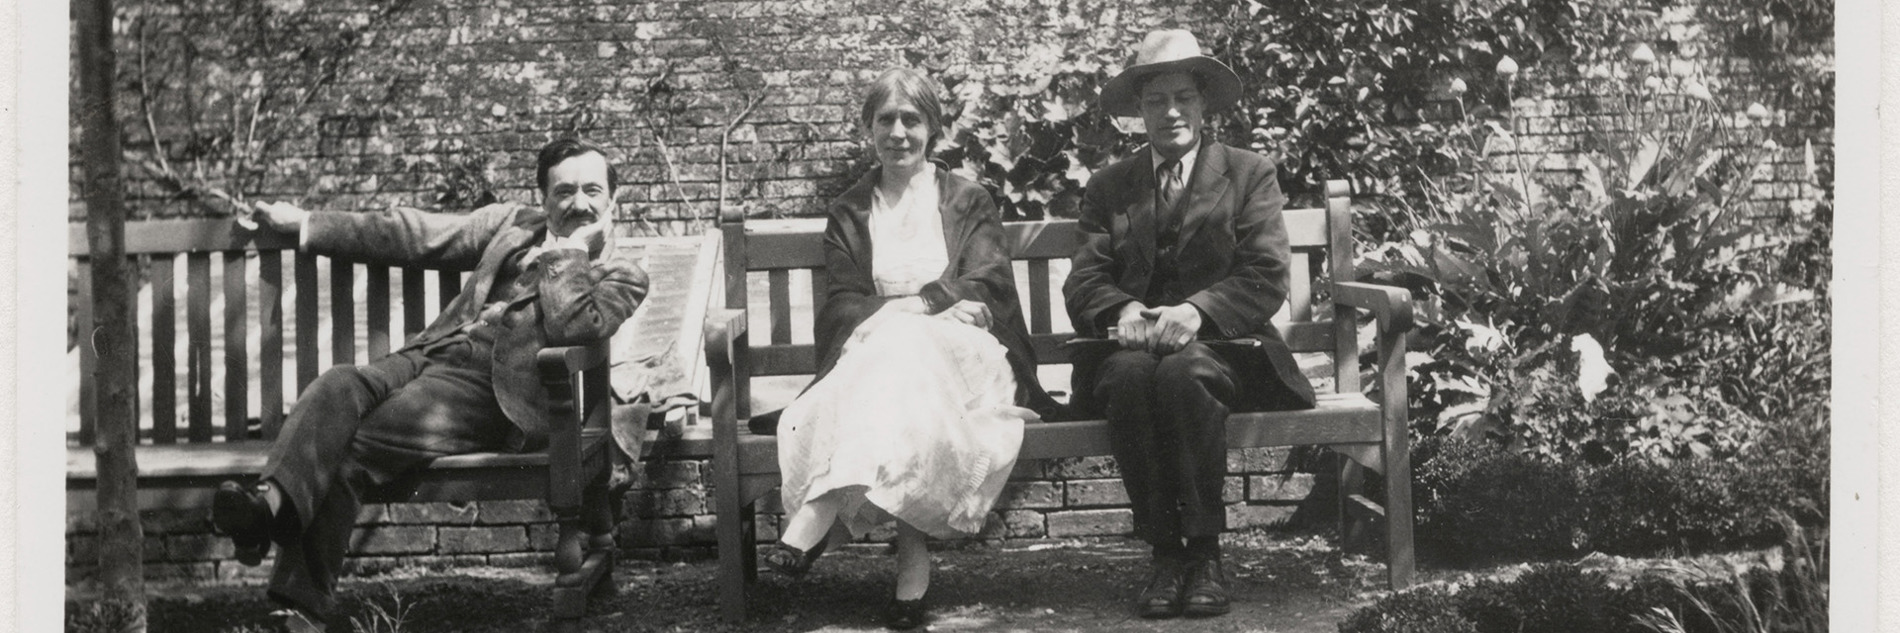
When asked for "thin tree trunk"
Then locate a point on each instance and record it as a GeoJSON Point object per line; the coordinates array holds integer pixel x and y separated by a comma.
{"type": "Point", "coordinates": [121, 538]}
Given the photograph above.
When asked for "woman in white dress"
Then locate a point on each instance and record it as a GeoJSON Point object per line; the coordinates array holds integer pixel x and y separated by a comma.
{"type": "Point", "coordinates": [926, 375]}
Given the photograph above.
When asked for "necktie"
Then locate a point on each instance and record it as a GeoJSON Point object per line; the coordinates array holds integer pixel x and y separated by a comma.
{"type": "Point", "coordinates": [1169, 176]}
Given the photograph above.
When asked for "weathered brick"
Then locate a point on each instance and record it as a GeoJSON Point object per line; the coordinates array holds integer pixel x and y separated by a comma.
{"type": "Point", "coordinates": [1241, 515]}
{"type": "Point", "coordinates": [1090, 522]}
{"type": "Point", "coordinates": [1265, 459]}
{"type": "Point", "coordinates": [1024, 524]}
{"type": "Point", "coordinates": [372, 514]}
{"type": "Point", "coordinates": [1288, 487]}
{"type": "Point", "coordinates": [667, 503]}
{"type": "Point", "coordinates": [517, 511]}
{"type": "Point", "coordinates": [233, 572]}
{"type": "Point", "coordinates": [1233, 489]}
{"type": "Point", "coordinates": [1097, 467]}
{"type": "Point", "coordinates": [1030, 494]}
{"type": "Point", "coordinates": [1027, 469]}
{"type": "Point", "coordinates": [1096, 492]}
{"type": "Point", "coordinates": [393, 539]}
{"type": "Point", "coordinates": [481, 540]}
{"type": "Point", "coordinates": [672, 474]}
{"type": "Point", "coordinates": [431, 513]}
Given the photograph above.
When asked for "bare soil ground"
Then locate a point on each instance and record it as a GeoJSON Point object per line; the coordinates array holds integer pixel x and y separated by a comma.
{"type": "Point", "coordinates": [1283, 583]}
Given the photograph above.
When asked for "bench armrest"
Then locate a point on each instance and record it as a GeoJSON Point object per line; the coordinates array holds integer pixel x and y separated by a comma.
{"type": "Point", "coordinates": [722, 329]}
{"type": "Point", "coordinates": [1391, 305]}
{"type": "Point", "coordinates": [571, 359]}
{"type": "Point", "coordinates": [575, 378]}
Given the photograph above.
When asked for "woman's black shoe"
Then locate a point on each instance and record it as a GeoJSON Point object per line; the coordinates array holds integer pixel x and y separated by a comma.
{"type": "Point", "coordinates": [904, 615]}
{"type": "Point", "coordinates": [764, 423]}
{"type": "Point", "coordinates": [792, 561]}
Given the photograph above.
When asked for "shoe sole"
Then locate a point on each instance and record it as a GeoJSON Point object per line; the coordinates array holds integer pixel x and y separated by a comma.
{"type": "Point", "coordinates": [1193, 611]}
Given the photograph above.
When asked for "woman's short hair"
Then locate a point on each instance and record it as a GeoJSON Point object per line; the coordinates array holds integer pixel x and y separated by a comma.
{"type": "Point", "coordinates": [568, 147]}
{"type": "Point", "coordinates": [912, 86]}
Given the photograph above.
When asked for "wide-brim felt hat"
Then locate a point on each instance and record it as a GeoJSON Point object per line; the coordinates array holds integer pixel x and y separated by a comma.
{"type": "Point", "coordinates": [1168, 51]}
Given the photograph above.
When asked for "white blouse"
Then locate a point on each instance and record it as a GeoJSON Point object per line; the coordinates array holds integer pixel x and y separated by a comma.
{"type": "Point", "coordinates": [907, 243]}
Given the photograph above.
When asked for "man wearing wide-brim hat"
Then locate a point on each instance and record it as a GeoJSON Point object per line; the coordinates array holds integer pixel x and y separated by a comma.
{"type": "Point", "coordinates": [1182, 264]}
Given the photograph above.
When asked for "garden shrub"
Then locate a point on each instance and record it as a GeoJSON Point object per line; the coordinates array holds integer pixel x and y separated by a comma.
{"type": "Point", "coordinates": [1561, 598]}
{"type": "Point", "coordinates": [1479, 501]}
{"type": "Point", "coordinates": [1427, 610]}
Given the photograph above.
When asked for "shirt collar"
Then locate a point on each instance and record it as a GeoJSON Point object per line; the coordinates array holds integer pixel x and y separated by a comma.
{"type": "Point", "coordinates": [1187, 161]}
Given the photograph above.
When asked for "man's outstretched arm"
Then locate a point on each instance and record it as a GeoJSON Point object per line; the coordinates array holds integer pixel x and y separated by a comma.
{"type": "Point", "coordinates": [397, 237]}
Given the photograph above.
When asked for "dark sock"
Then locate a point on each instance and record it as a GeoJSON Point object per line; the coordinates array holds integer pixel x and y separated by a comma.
{"type": "Point", "coordinates": [1203, 547]}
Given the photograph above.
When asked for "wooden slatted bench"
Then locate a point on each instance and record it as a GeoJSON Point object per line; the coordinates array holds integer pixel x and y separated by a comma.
{"type": "Point", "coordinates": [181, 465]}
{"type": "Point", "coordinates": [1371, 432]}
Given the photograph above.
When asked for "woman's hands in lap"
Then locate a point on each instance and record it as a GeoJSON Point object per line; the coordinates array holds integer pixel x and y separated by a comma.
{"type": "Point", "coordinates": [968, 312]}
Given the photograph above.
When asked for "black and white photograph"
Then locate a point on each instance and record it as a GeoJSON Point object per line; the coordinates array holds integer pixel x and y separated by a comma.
{"type": "Point", "coordinates": [1302, 316]}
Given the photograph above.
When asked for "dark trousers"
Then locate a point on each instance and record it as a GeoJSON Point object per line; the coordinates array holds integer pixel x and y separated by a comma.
{"type": "Point", "coordinates": [1167, 418]}
{"type": "Point", "coordinates": [359, 427]}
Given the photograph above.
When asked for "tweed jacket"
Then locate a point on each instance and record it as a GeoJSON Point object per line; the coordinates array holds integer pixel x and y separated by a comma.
{"type": "Point", "coordinates": [979, 270]}
{"type": "Point", "coordinates": [1230, 261]}
{"type": "Point", "coordinates": [577, 299]}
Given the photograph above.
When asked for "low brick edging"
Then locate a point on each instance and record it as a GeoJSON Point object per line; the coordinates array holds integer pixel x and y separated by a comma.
{"type": "Point", "coordinates": [669, 516]}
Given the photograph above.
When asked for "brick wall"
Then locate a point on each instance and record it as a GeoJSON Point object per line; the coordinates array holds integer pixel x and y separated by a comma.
{"type": "Point", "coordinates": [179, 544]}
{"type": "Point", "coordinates": [1555, 124]}
{"type": "Point", "coordinates": [668, 515]}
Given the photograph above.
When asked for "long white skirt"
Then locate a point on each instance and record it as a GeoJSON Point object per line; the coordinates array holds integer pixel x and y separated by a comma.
{"type": "Point", "coordinates": [917, 421]}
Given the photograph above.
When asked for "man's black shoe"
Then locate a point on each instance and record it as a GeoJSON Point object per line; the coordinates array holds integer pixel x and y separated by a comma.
{"type": "Point", "coordinates": [243, 515]}
{"type": "Point", "coordinates": [1206, 591]}
{"type": "Point", "coordinates": [1162, 596]}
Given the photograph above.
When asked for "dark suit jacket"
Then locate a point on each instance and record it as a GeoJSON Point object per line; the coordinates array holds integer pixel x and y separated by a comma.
{"type": "Point", "coordinates": [979, 270]}
{"type": "Point", "coordinates": [1231, 262]}
{"type": "Point", "coordinates": [579, 297]}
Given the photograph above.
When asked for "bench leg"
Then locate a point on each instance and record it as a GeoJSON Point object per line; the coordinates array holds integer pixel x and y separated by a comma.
{"type": "Point", "coordinates": [737, 564]}
{"type": "Point", "coordinates": [584, 556]}
{"type": "Point", "coordinates": [1399, 560]}
{"type": "Point", "coordinates": [1352, 522]}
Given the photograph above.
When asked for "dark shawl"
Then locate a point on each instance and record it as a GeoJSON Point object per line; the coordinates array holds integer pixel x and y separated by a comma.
{"type": "Point", "coordinates": [979, 270]}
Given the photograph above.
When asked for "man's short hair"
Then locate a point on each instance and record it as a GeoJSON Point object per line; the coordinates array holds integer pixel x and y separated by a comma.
{"type": "Point", "coordinates": [568, 147]}
{"type": "Point", "coordinates": [912, 86]}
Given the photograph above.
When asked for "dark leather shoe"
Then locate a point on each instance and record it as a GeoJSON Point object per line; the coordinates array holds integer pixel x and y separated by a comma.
{"type": "Point", "coordinates": [1206, 592]}
{"type": "Point", "coordinates": [1161, 598]}
{"type": "Point", "coordinates": [242, 514]}
{"type": "Point", "coordinates": [904, 615]}
{"type": "Point", "coordinates": [792, 561]}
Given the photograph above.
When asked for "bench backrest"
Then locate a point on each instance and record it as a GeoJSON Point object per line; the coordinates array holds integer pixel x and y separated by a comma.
{"type": "Point", "coordinates": [787, 253]}
{"type": "Point", "coordinates": [246, 260]}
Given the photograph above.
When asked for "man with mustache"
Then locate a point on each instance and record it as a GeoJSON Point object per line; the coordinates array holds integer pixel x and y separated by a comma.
{"type": "Point", "coordinates": [541, 276]}
{"type": "Point", "coordinates": [1182, 261]}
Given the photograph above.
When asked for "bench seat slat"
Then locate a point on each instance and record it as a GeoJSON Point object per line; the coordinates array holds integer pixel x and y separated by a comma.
{"type": "Point", "coordinates": [797, 359]}
{"type": "Point", "coordinates": [1348, 418]}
